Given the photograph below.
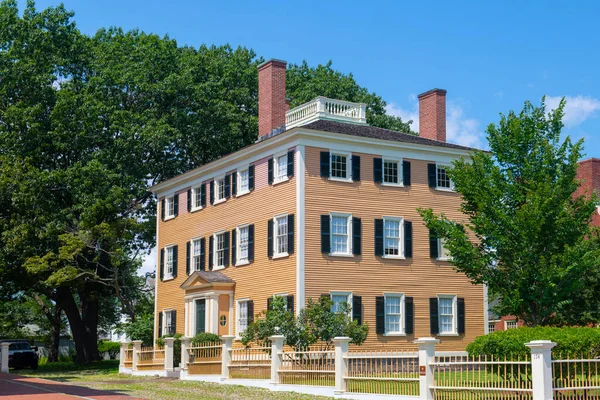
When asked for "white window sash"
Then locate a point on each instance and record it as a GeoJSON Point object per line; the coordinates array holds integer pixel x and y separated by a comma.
{"type": "Point", "coordinates": [398, 170]}
{"type": "Point", "coordinates": [399, 239]}
{"type": "Point", "coordinates": [219, 254]}
{"type": "Point", "coordinates": [348, 163]}
{"type": "Point", "coordinates": [347, 235]}
{"type": "Point", "coordinates": [280, 244]}
{"type": "Point", "coordinates": [400, 315]}
{"type": "Point", "coordinates": [454, 323]}
{"type": "Point", "coordinates": [242, 247]}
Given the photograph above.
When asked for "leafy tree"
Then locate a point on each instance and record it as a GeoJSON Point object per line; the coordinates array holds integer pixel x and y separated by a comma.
{"type": "Point", "coordinates": [316, 323]}
{"type": "Point", "coordinates": [530, 232]}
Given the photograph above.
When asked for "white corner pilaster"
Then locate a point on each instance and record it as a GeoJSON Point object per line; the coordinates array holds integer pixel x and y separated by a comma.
{"type": "Point", "coordinates": [426, 357]}
{"type": "Point", "coordinates": [341, 362]}
{"type": "Point", "coordinates": [276, 350]}
{"type": "Point", "coordinates": [541, 368]}
{"type": "Point", "coordinates": [214, 314]}
{"type": "Point", "coordinates": [300, 227]}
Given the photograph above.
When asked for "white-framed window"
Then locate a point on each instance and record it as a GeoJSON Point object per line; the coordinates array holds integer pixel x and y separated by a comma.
{"type": "Point", "coordinates": [196, 246]}
{"type": "Point", "coordinates": [341, 233]}
{"type": "Point", "coordinates": [340, 166]}
{"type": "Point", "coordinates": [243, 181]}
{"type": "Point", "coordinates": [280, 168]}
{"type": "Point", "coordinates": [338, 299]}
{"type": "Point", "coordinates": [242, 244]}
{"type": "Point", "coordinates": [168, 323]}
{"type": "Point", "coordinates": [280, 239]}
{"type": "Point", "coordinates": [393, 232]}
{"type": "Point", "coordinates": [491, 326]}
{"type": "Point", "coordinates": [392, 172]}
{"type": "Point", "coordinates": [197, 198]}
{"type": "Point", "coordinates": [219, 189]}
{"type": "Point", "coordinates": [443, 253]}
{"type": "Point", "coordinates": [510, 324]}
{"type": "Point", "coordinates": [170, 261]}
{"type": "Point", "coordinates": [170, 207]}
{"type": "Point", "coordinates": [447, 311]}
{"type": "Point", "coordinates": [219, 250]}
{"type": "Point", "coordinates": [394, 312]}
{"type": "Point", "coordinates": [242, 316]}
{"type": "Point", "coordinates": [443, 181]}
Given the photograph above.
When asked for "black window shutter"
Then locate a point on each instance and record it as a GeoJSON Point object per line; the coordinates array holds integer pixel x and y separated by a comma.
{"type": "Point", "coordinates": [189, 200]}
{"type": "Point", "coordinates": [162, 209]}
{"type": "Point", "coordinates": [325, 160]}
{"type": "Point", "coordinates": [251, 243]}
{"type": "Point", "coordinates": [380, 315]}
{"type": "Point", "coordinates": [212, 192]}
{"type": "Point", "coordinates": [406, 173]}
{"type": "Point", "coordinates": [290, 227]}
{"type": "Point", "coordinates": [270, 168]}
{"type": "Point", "coordinates": [211, 244]}
{"type": "Point", "coordinates": [250, 311]}
{"type": "Point", "coordinates": [162, 264]}
{"type": "Point", "coordinates": [175, 257]}
{"type": "Point", "coordinates": [233, 246]}
{"type": "Point", "coordinates": [160, 325]}
{"type": "Point", "coordinates": [356, 236]}
{"type": "Point", "coordinates": [203, 195]}
{"type": "Point", "coordinates": [461, 315]}
{"type": "Point", "coordinates": [377, 170]}
{"type": "Point", "coordinates": [187, 258]}
{"type": "Point", "coordinates": [251, 178]}
{"type": "Point", "coordinates": [176, 204]}
{"type": "Point", "coordinates": [173, 323]}
{"type": "Point", "coordinates": [408, 239]}
{"type": "Point", "coordinates": [227, 186]}
{"type": "Point", "coordinates": [269, 302]}
{"type": "Point", "coordinates": [270, 238]}
{"type": "Point", "coordinates": [433, 245]}
{"type": "Point", "coordinates": [325, 234]}
{"type": "Point", "coordinates": [355, 168]}
{"type": "Point", "coordinates": [290, 303]}
{"type": "Point", "coordinates": [434, 323]}
{"type": "Point", "coordinates": [234, 184]}
{"type": "Point", "coordinates": [202, 254]}
{"type": "Point", "coordinates": [379, 237]}
{"type": "Point", "coordinates": [409, 315]}
{"type": "Point", "coordinates": [357, 309]}
{"type": "Point", "coordinates": [290, 165]}
{"type": "Point", "coordinates": [432, 175]}
{"type": "Point", "coordinates": [226, 249]}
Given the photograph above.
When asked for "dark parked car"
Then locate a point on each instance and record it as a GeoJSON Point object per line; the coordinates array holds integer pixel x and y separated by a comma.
{"type": "Point", "coordinates": [21, 354]}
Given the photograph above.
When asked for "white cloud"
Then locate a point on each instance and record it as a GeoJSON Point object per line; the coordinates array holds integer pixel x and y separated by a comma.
{"type": "Point", "coordinates": [149, 263]}
{"type": "Point", "coordinates": [577, 110]}
{"type": "Point", "coordinates": [459, 129]}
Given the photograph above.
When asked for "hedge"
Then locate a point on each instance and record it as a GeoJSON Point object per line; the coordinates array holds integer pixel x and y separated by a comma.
{"type": "Point", "coordinates": [112, 348]}
{"type": "Point", "coordinates": [510, 343]}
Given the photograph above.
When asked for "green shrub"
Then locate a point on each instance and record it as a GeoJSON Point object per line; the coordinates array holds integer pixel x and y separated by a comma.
{"type": "Point", "coordinates": [204, 337]}
{"type": "Point", "coordinates": [112, 348]}
{"type": "Point", "coordinates": [510, 343]}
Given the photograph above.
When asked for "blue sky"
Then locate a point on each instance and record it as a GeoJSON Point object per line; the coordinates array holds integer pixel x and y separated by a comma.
{"type": "Point", "coordinates": [490, 56]}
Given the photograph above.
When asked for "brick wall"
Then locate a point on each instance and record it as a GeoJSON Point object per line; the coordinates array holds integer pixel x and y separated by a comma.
{"type": "Point", "coordinates": [589, 174]}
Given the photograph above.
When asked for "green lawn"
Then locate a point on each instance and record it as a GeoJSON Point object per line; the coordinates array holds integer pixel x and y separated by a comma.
{"type": "Point", "coordinates": [105, 375]}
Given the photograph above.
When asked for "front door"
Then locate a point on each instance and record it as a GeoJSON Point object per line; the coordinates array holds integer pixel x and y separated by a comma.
{"type": "Point", "coordinates": [200, 316]}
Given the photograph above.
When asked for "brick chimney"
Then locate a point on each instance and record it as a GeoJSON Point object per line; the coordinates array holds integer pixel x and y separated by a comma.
{"type": "Point", "coordinates": [272, 103]}
{"type": "Point", "coordinates": [432, 114]}
{"type": "Point", "coordinates": [588, 172]}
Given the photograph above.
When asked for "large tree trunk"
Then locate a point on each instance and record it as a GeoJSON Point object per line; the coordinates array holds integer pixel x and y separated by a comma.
{"type": "Point", "coordinates": [89, 314]}
{"type": "Point", "coordinates": [55, 334]}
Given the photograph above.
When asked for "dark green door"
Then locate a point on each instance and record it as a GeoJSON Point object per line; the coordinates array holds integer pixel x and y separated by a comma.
{"type": "Point", "coordinates": [200, 316]}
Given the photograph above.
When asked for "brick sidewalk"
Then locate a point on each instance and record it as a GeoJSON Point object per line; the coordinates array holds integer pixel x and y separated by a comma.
{"type": "Point", "coordinates": [20, 387]}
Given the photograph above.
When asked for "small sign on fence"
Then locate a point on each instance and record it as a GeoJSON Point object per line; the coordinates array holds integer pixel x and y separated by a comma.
{"type": "Point", "coordinates": [422, 371]}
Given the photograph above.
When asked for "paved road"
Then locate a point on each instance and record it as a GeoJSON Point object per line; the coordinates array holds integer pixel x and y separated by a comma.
{"type": "Point", "coordinates": [20, 387]}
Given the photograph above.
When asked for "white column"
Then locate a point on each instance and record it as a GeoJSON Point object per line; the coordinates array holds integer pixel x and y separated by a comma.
{"type": "Point", "coordinates": [4, 363]}
{"type": "Point", "coordinates": [276, 350]}
{"type": "Point", "coordinates": [185, 355]}
{"type": "Point", "coordinates": [186, 317]}
{"type": "Point", "coordinates": [426, 357]}
{"type": "Point", "coordinates": [226, 355]}
{"type": "Point", "coordinates": [214, 317]}
{"type": "Point", "coordinates": [169, 353]}
{"type": "Point", "coordinates": [541, 368]}
{"type": "Point", "coordinates": [137, 347]}
{"type": "Point", "coordinates": [341, 363]}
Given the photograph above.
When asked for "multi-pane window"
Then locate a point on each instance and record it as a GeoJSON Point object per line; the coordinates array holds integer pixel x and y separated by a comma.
{"type": "Point", "coordinates": [170, 260]}
{"type": "Point", "coordinates": [512, 324]}
{"type": "Point", "coordinates": [242, 316]}
{"type": "Point", "coordinates": [443, 179]}
{"type": "Point", "coordinates": [444, 253]}
{"type": "Point", "coordinates": [281, 168]}
{"type": "Point", "coordinates": [446, 314]}
{"type": "Point", "coordinates": [339, 166]}
{"type": "Point", "coordinates": [491, 326]}
{"type": "Point", "coordinates": [281, 235]}
{"type": "Point", "coordinates": [220, 189]}
{"type": "Point", "coordinates": [392, 240]}
{"type": "Point", "coordinates": [197, 198]}
{"type": "Point", "coordinates": [169, 207]}
{"type": "Point", "coordinates": [393, 314]}
{"type": "Point", "coordinates": [243, 185]}
{"type": "Point", "coordinates": [391, 172]}
{"type": "Point", "coordinates": [340, 302]}
{"type": "Point", "coordinates": [340, 235]}
{"type": "Point", "coordinates": [220, 250]}
{"type": "Point", "coordinates": [242, 238]}
{"type": "Point", "coordinates": [169, 326]}
{"type": "Point", "coordinates": [196, 254]}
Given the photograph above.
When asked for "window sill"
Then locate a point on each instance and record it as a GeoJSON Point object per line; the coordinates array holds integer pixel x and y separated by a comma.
{"type": "Point", "coordinates": [394, 334]}
{"type": "Point", "coordinates": [240, 194]}
{"type": "Point", "coordinates": [168, 278]}
{"type": "Point", "coordinates": [218, 268]}
{"type": "Point", "coordinates": [278, 181]}
{"type": "Point", "coordinates": [169, 217]}
{"type": "Point", "coordinates": [394, 257]}
{"type": "Point", "coordinates": [194, 209]}
{"type": "Point", "coordinates": [348, 180]}
{"type": "Point", "coordinates": [242, 263]}
{"type": "Point", "coordinates": [392, 184]}
{"type": "Point", "coordinates": [448, 334]}
{"type": "Point", "coordinates": [443, 189]}
{"type": "Point", "coordinates": [444, 259]}
{"type": "Point", "coordinates": [341, 255]}
{"type": "Point", "coordinates": [219, 201]}
{"type": "Point", "coordinates": [280, 255]}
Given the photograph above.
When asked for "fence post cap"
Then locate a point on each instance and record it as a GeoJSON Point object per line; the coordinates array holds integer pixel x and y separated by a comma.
{"type": "Point", "coordinates": [5, 344]}
{"type": "Point", "coordinates": [424, 340]}
{"type": "Point", "coordinates": [540, 344]}
{"type": "Point", "coordinates": [137, 341]}
{"type": "Point", "coordinates": [185, 339]}
{"type": "Point", "coordinates": [341, 339]}
{"type": "Point", "coordinates": [276, 337]}
{"type": "Point", "coordinates": [169, 339]}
